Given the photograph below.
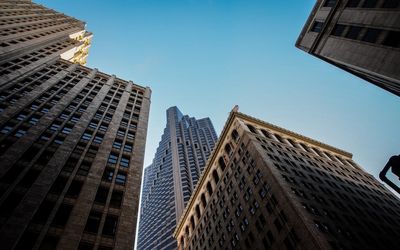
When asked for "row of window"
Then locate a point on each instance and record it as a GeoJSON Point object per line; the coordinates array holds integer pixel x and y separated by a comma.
{"type": "Point", "coordinates": [390, 4]}
{"type": "Point", "coordinates": [370, 35]}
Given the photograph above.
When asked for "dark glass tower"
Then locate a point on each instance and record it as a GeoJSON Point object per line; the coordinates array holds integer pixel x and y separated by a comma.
{"type": "Point", "coordinates": [171, 178]}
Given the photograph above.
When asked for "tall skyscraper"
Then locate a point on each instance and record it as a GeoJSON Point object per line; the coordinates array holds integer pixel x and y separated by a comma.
{"type": "Point", "coordinates": [170, 180]}
{"type": "Point", "coordinates": [359, 36]}
{"type": "Point", "coordinates": [72, 138]}
{"type": "Point", "coordinates": [265, 187]}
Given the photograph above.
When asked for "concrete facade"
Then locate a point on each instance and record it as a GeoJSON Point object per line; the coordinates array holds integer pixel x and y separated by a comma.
{"type": "Point", "coordinates": [72, 138]}
{"type": "Point", "coordinates": [170, 180]}
{"type": "Point", "coordinates": [265, 187]}
{"type": "Point", "coordinates": [359, 36]}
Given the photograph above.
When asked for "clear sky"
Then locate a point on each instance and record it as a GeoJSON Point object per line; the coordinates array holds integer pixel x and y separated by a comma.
{"type": "Point", "coordinates": [205, 56]}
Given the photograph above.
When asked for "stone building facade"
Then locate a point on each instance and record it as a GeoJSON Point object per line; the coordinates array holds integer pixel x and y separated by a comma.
{"type": "Point", "coordinates": [72, 138]}
{"type": "Point", "coordinates": [359, 36]}
{"type": "Point", "coordinates": [170, 180]}
{"type": "Point", "coordinates": [265, 187]}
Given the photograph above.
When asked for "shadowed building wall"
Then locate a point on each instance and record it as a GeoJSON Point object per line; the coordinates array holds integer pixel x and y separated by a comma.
{"type": "Point", "coordinates": [265, 187]}
{"type": "Point", "coordinates": [72, 138]}
{"type": "Point", "coordinates": [359, 36]}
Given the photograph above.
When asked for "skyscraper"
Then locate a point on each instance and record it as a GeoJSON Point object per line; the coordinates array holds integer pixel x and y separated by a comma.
{"type": "Point", "coordinates": [359, 36]}
{"type": "Point", "coordinates": [71, 138]}
{"type": "Point", "coordinates": [265, 187]}
{"type": "Point", "coordinates": [170, 180]}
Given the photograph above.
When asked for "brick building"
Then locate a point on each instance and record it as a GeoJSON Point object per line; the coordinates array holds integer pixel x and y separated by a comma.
{"type": "Point", "coordinates": [72, 138]}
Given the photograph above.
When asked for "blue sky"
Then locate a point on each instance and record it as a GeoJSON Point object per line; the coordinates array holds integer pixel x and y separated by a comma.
{"type": "Point", "coordinates": [206, 56]}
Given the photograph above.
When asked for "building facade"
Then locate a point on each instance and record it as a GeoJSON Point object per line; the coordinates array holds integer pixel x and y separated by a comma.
{"type": "Point", "coordinates": [359, 36]}
{"type": "Point", "coordinates": [72, 138]}
{"type": "Point", "coordinates": [265, 187]}
{"type": "Point", "coordinates": [170, 180]}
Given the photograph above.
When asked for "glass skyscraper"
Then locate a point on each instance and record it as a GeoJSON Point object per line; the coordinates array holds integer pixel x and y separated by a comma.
{"type": "Point", "coordinates": [170, 180]}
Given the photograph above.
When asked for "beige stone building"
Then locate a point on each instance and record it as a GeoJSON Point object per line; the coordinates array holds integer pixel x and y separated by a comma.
{"type": "Point", "coordinates": [265, 187]}
{"type": "Point", "coordinates": [72, 138]}
{"type": "Point", "coordinates": [359, 36]}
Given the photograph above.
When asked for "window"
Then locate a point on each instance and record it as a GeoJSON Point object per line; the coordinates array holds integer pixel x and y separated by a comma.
{"type": "Point", "coordinates": [84, 168]}
{"type": "Point", "coordinates": [209, 188]}
{"type": "Point", "coordinates": [86, 136]}
{"type": "Point", "coordinates": [235, 135]}
{"type": "Point", "coordinates": [66, 130]}
{"type": "Point", "coordinates": [130, 135]}
{"type": "Point", "coordinates": [221, 163]}
{"type": "Point", "coordinates": [338, 30]}
{"type": "Point", "coordinates": [108, 174]}
{"type": "Point", "coordinates": [20, 133]}
{"type": "Point", "coordinates": [43, 212]}
{"type": "Point", "coordinates": [110, 225]}
{"type": "Point", "coordinates": [58, 185]}
{"type": "Point", "coordinates": [371, 35]}
{"type": "Point", "coordinates": [116, 199]}
{"type": "Point", "coordinates": [392, 39]}
{"type": "Point", "coordinates": [203, 200]}
{"type": "Point", "coordinates": [98, 138]}
{"type": "Point", "coordinates": [215, 176]}
{"type": "Point", "coordinates": [117, 144]}
{"type": "Point", "coordinates": [353, 32]}
{"type": "Point", "coordinates": [390, 4]}
{"type": "Point", "coordinates": [120, 178]}
{"type": "Point", "coordinates": [124, 162]}
{"type": "Point", "coordinates": [369, 3]}
{"type": "Point", "coordinates": [74, 189]}
{"type": "Point", "coordinates": [34, 120]}
{"type": "Point", "coordinates": [228, 149]}
{"type": "Point", "coordinates": [62, 215]}
{"type": "Point", "coordinates": [121, 133]}
{"type": "Point", "coordinates": [353, 3]}
{"type": "Point", "coordinates": [329, 3]}
{"type": "Point", "coordinates": [128, 147]}
{"type": "Point", "coordinates": [101, 195]}
{"type": "Point", "coordinates": [93, 222]}
{"type": "Point", "coordinates": [317, 26]}
{"type": "Point", "coordinates": [252, 128]}
{"type": "Point", "coordinates": [113, 158]}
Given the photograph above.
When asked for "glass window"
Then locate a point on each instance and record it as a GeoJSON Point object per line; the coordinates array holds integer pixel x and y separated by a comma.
{"type": "Point", "coordinates": [353, 32]}
{"type": "Point", "coordinates": [352, 3]}
{"type": "Point", "coordinates": [116, 199]}
{"type": "Point", "coordinates": [124, 162]}
{"type": "Point", "coordinates": [338, 30]}
{"type": "Point", "coordinates": [110, 225]}
{"type": "Point", "coordinates": [93, 222]}
{"type": "Point", "coordinates": [317, 26]}
{"type": "Point", "coordinates": [120, 178]}
{"type": "Point", "coordinates": [113, 158]}
{"type": "Point", "coordinates": [371, 35]}
{"type": "Point", "coordinates": [108, 174]}
{"type": "Point", "coordinates": [329, 3]}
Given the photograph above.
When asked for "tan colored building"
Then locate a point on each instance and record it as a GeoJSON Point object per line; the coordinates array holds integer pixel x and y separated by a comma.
{"type": "Point", "coordinates": [265, 187]}
{"type": "Point", "coordinates": [359, 36]}
{"type": "Point", "coordinates": [72, 138]}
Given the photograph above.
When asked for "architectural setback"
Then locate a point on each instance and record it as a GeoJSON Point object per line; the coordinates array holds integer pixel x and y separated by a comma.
{"type": "Point", "coordinates": [359, 36]}
{"type": "Point", "coordinates": [170, 180]}
{"type": "Point", "coordinates": [72, 138]}
{"type": "Point", "coordinates": [265, 187]}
